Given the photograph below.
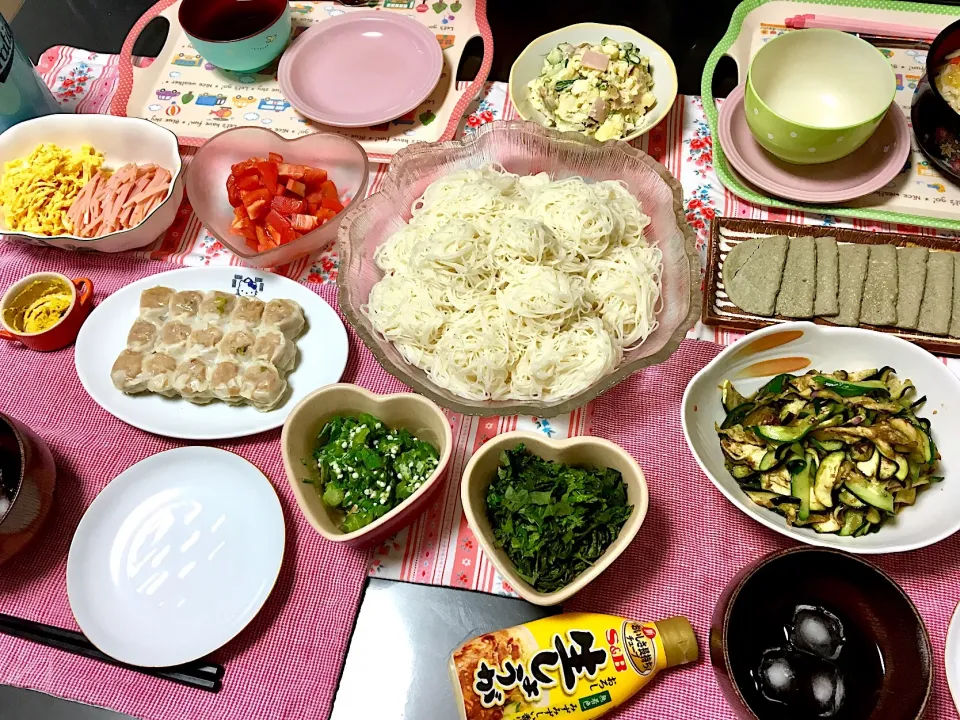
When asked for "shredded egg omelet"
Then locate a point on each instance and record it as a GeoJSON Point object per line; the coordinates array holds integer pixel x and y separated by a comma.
{"type": "Point", "coordinates": [37, 191]}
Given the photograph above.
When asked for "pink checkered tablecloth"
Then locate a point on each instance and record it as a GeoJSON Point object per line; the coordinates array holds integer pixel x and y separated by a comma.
{"type": "Point", "coordinates": [677, 566]}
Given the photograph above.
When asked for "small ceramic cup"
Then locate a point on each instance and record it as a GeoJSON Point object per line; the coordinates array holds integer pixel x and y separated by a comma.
{"type": "Point", "coordinates": [238, 35]}
{"type": "Point", "coordinates": [25, 292]}
{"type": "Point", "coordinates": [28, 478]}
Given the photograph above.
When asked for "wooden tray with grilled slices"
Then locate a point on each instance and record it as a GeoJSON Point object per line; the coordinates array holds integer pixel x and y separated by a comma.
{"type": "Point", "coordinates": [718, 310]}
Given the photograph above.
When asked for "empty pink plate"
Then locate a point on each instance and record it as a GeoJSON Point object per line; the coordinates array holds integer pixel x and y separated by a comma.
{"type": "Point", "coordinates": [360, 69]}
{"type": "Point", "coordinates": [868, 169]}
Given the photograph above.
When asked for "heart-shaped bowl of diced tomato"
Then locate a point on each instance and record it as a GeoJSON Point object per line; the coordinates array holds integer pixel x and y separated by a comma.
{"type": "Point", "coordinates": [270, 200]}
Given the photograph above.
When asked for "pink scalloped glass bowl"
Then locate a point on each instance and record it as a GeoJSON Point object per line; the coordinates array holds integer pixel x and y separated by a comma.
{"type": "Point", "coordinates": [343, 159]}
{"type": "Point", "coordinates": [526, 149]}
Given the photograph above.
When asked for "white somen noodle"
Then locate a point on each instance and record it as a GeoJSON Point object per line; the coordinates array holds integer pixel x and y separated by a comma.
{"type": "Point", "coordinates": [508, 287]}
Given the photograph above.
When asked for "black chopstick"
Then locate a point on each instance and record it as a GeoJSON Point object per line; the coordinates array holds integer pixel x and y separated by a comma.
{"type": "Point", "coordinates": [198, 674]}
{"type": "Point", "coordinates": [892, 42]}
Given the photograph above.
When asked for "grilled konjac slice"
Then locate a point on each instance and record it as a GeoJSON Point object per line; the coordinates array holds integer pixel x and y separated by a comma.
{"type": "Point", "coordinates": [755, 286]}
{"type": "Point", "coordinates": [799, 285]}
{"type": "Point", "coordinates": [828, 281]}
{"type": "Point", "coordinates": [937, 304]}
{"type": "Point", "coordinates": [879, 306]}
{"type": "Point", "coordinates": [853, 272]}
{"type": "Point", "coordinates": [911, 279]}
{"type": "Point", "coordinates": [839, 452]}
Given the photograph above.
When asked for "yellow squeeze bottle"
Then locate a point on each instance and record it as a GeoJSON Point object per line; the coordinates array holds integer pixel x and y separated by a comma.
{"type": "Point", "coordinates": [577, 665]}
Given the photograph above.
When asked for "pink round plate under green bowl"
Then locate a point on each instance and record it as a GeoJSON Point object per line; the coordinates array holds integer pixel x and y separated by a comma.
{"type": "Point", "coordinates": [360, 69]}
{"type": "Point", "coordinates": [870, 168]}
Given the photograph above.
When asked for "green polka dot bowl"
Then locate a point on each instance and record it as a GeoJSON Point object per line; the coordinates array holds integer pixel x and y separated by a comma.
{"type": "Point", "coordinates": [814, 96]}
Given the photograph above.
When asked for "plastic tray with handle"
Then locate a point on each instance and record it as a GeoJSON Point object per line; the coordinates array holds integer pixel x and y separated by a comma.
{"type": "Point", "coordinates": [184, 93]}
{"type": "Point", "coordinates": [754, 22]}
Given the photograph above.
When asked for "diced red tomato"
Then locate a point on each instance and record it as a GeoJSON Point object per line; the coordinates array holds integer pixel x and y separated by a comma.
{"type": "Point", "coordinates": [262, 237]}
{"type": "Point", "coordinates": [248, 182]}
{"type": "Point", "coordinates": [304, 223]}
{"type": "Point", "coordinates": [233, 195]}
{"type": "Point", "coordinates": [290, 170]}
{"type": "Point", "coordinates": [268, 173]}
{"type": "Point", "coordinates": [279, 228]}
{"type": "Point", "coordinates": [244, 228]}
{"type": "Point", "coordinates": [314, 176]}
{"type": "Point", "coordinates": [288, 205]}
{"type": "Point", "coordinates": [296, 187]}
{"type": "Point", "coordinates": [331, 203]}
{"type": "Point", "coordinates": [257, 202]}
{"type": "Point", "coordinates": [323, 215]}
{"type": "Point", "coordinates": [276, 202]}
{"type": "Point", "coordinates": [247, 167]}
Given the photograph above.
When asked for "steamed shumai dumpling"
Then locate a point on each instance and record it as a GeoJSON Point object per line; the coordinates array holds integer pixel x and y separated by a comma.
{"type": "Point", "coordinates": [273, 347]}
{"type": "Point", "coordinates": [236, 346]}
{"type": "Point", "coordinates": [142, 336]}
{"type": "Point", "coordinates": [174, 336]}
{"type": "Point", "coordinates": [158, 369]}
{"type": "Point", "coordinates": [203, 343]}
{"type": "Point", "coordinates": [192, 379]}
{"type": "Point", "coordinates": [225, 382]}
{"type": "Point", "coordinates": [247, 313]}
{"type": "Point", "coordinates": [262, 385]}
{"type": "Point", "coordinates": [155, 302]}
{"type": "Point", "coordinates": [185, 304]}
{"type": "Point", "coordinates": [127, 372]}
{"type": "Point", "coordinates": [285, 315]}
{"type": "Point", "coordinates": [217, 307]}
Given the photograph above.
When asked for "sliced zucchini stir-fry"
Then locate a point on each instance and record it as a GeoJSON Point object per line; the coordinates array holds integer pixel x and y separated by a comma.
{"type": "Point", "coordinates": [838, 452]}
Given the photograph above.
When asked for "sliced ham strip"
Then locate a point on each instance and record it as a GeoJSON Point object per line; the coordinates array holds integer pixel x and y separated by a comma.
{"type": "Point", "coordinates": [137, 216]}
{"type": "Point", "coordinates": [599, 110]}
{"type": "Point", "coordinates": [118, 201]}
{"type": "Point", "coordinates": [595, 60]}
{"type": "Point", "coordinates": [145, 195]}
{"type": "Point", "coordinates": [154, 204]}
{"type": "Point", "coordinates": [124, 219]}
{"type": "Point", "coordinates": [123, 195]}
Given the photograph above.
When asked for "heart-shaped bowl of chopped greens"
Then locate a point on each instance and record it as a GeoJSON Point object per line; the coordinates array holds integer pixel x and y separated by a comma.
{"type": "Point", "coordinates": [363, 466]}
{"type": "Point", "coordinates": [834, 436]}
{"type": "Point", "coordinates": [552, 514]}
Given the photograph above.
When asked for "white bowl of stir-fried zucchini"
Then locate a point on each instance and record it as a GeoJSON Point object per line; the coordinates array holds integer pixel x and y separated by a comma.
{"type": "Point", "coordinates": [837, 437]}
{"type": "Point", "coordinates": [608, 82]}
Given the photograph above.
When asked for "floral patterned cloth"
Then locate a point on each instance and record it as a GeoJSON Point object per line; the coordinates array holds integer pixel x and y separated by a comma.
{"type": "Point", "coordinates": [438, 547]}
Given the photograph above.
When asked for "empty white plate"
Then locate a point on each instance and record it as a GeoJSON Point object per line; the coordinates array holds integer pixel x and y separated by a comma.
{"type": "Point", "coordinates": [175, 556]}
{"type": "Point", "coordinates": [952, 659]}
{"type": "Point", "coordinates": [321, 355]}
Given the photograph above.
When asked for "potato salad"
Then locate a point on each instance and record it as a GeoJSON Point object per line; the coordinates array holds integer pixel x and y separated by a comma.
{"type": "Point", "coordinates": [600, 90]}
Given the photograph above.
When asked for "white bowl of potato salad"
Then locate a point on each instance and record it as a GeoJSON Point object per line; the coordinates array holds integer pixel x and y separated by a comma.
{"type": "Point", "coordinates": [608, 82]}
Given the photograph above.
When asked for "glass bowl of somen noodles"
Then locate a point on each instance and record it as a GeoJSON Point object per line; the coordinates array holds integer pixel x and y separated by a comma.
{"type": "Point", "coordinates": [520, 271]}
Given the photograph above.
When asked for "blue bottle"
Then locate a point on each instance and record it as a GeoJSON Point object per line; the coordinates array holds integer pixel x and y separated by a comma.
{"type": "Point", "coordinates": [23, 94]}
